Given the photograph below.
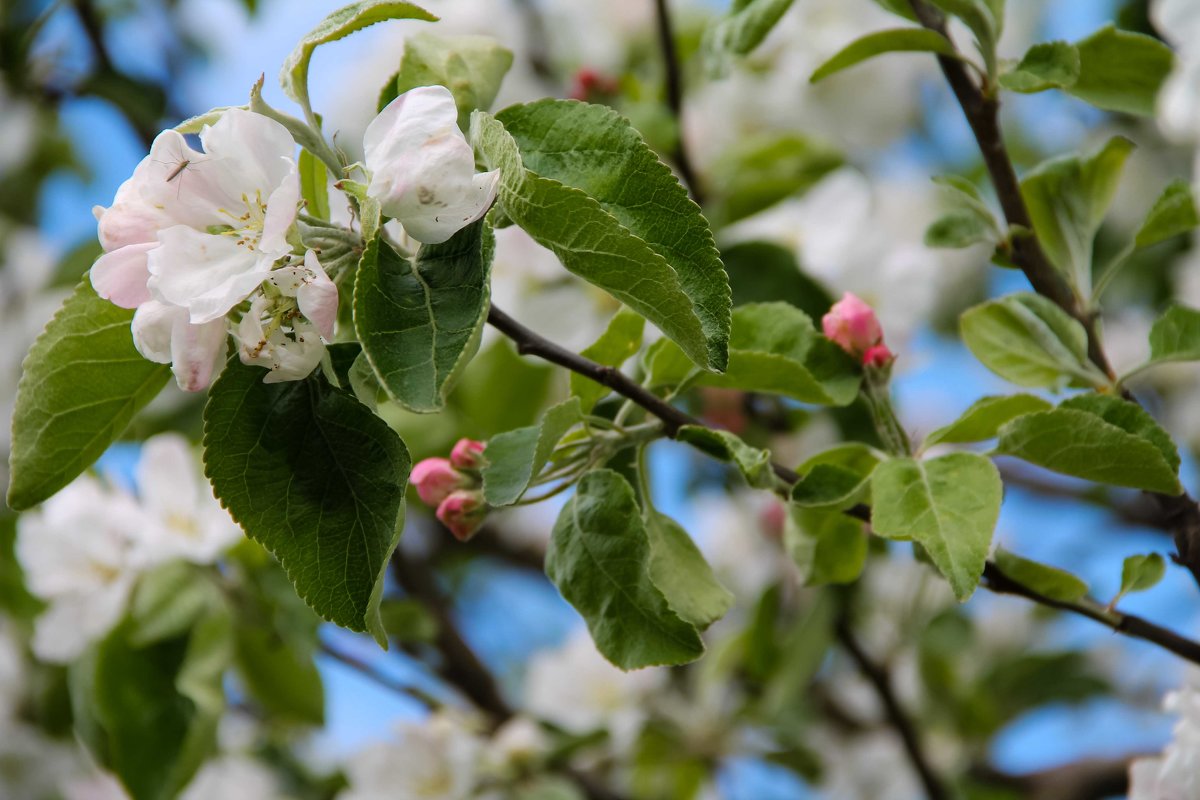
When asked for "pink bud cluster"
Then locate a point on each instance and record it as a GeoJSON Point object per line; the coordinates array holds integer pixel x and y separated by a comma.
{"type": "Point", "coordinates": [452, 486]}
{"type": "Point", "coordinates": [852, 325]}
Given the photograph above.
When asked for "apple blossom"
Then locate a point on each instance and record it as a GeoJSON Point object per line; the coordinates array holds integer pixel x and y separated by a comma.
{"type": "Point", "coordinates": [422, 169]}
{"type": "Point", "coordinates": [462, 512]}
{"type": "Point", "coordinates": [852, 325]}
{"type": "Point", "coordinates": [467, 454]}
{"type": "Point", "coordinates": [432, 759]}
{"type": "Point", "coordinates": [1175, 774]}
{"type": "Point", "coordinates": [434, 480]}
{"type": "Point", "coordinates": [878, 356]}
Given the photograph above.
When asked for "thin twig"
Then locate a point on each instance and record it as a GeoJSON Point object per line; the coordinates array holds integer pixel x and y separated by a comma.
{"type": "Point", "coordinates": [673, 85]}
{"type": "Point", "coordinates": [375, 676]}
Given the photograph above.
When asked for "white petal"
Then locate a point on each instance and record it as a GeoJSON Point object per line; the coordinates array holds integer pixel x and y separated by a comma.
{"type": "Point", "coordinates": [282, 207]}
{"type": "Point", "coordinates": [167, 477]}
{"type": "Point", "coordinates": [205, 273]}
{"type": "Point", "coordinates": [318, 298]}
{"type": "Point", "coordinates": [295, 360]}
{"type": "Point", "coordinates": [152, 326]}
{"type": "Point", "coordinates": [121, 275]}
{"type": "Point", "coordinates": [71, 623]}
{"type": "Point", "coordinates": [130, 219]}
{"type": "Point", "coordinates": [413, 118]}
{"type": "Point", "coordinates": [253, 148]}
{"type": "Point", "coordinates": [196, 353]}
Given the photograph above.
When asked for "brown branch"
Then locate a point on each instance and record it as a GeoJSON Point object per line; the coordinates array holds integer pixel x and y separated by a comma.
{"type": "Point", "coordinates": [372, 674]}
{"type": "Point", "coordinates": [673, 86]}
{"type": "Point", "coordinates": [881, 681]}
{"type": "Point", "coordinates": [1086, 779]}
{"type": "Point", "coordinates": [981, 109]}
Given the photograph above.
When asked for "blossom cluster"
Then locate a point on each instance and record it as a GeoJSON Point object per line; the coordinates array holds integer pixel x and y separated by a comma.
{"type": "Point", "coordinates": [452, 486]}
{"type": "Point", "coordinates": [197, 236]}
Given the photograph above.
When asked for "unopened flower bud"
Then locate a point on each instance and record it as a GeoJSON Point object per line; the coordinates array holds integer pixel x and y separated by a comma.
{"type": "Point", "coordinates": [467, 454]}
{"type": "Point", "coordinates": [878, 356]}
{"type": "Point", "coordinates": [435, 479]}
{"type": "Point", "coordinates": [462, 512]}
{"type": "Point", "coordinates": [852, 325]}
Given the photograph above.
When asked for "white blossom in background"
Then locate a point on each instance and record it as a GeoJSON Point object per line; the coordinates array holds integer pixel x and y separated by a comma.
{"type": "Point", "coordinates": [18, 130]}
{"type": "Point", "coordinates": [737, 534]}
{"type": "Point", "coordinates": [422, 169]}
{"type": "Point", "coordinates": [576, 688]}
{"type": "Point", "coordinates": [233, 777]}
{"type": "Point", "coordinates": [1175, 775]}
{"type": "Point", "coordinates": [437, 758]}
{"type": "Point", "coordinates": [1179, 99]}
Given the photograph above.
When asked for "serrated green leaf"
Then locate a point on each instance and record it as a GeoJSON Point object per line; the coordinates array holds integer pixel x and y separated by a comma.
{"type": "Point", "coordinates": [314, 184]}
{"type": "Point", "coordinates": [420, 322]}
{"type": "Point", "coordinates": [1044, 579]}
{"type": "Point", "coordinates": [836, 478]}
{"type": "Point", "coordinates": [948, 505]}
{"type": "Point", "coordinates": [1050, 65]}
{"type": "Point", "coordinates": [826, 546]}
{"type": "Point", "coordinates": [593, 244]}
{"type": "Point", "coordinates": [338, 25]}
{"type": "Point", "coordinates": [471, 67]}
{"type": "Point", "coordinates": [896, 40]}
{"type": "Point", "coordinates": [1068, 198]}
{"type": "Point", "coordinates": [1030, 341]}
{"type": "Point", "coordinates": [620, 341]}
{"type": "Point", "coordinates": [595, 150]}
{"type": "Point", "coordinates": [753, 463]}
{"type": "Point", "coordinates": [679, 570]}
{"type": "Point", "coordinates": [1175, 336]}
{"type": "Point", "coordinates": [1173, 214]}
{"type": "Point", "coordinates": [740, 31]}
{"type": "Point", "coordinates": [1139, 573]}
{"type": "Point", "coordinates": [516, 457]}
{"type": "Point", "coordinates": [316, 478]}
{"type": "Point", "coordinates": [599, 559]}
{"type": "Point", "coordinates": [1121, 70]}
{"type": "Point", "coordinates": [985, 417]}
{"type": "Point", "coordinates": [81, 384]}
{"type": "Point", "coordinates": [1098, 438]}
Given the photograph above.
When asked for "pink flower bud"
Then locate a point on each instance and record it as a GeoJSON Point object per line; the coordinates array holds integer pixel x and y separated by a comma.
{"type": "Point", "coordinates": [878, 356]}
{"type": "Point", "coordinates": [772, 518]}
{"type": "Point", "coordinates": [462, 512]}
{"type": "Point", "coordinates": [435, 479]}
{"type": "Point", "coordinates": [467, 454]}
{"type": "Point", "coordinates": [852, 325]}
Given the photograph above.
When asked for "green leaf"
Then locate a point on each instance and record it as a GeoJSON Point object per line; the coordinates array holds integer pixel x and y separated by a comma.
{"type": "Point", "coordinates": [837, 478]}
{"type": "Point", "coordinates": [149, 714]}
{"type": "Point", "coordinates": [167, 602]}
{"type": "Point", "coordinates": [740, 31]}
{"type": "Point", "coordinates": [1044, 579]}
{"type": "Point", "coordinates": [1121, 71]}
{"type": "Point", "coordinates": [896, 40]}
{"type": "Point", "coordinates": [420, 322]}
{"type": "Point", "coordinates": [948, 505]}
{"type": "Point", "coordinates": [619, 342]}
{"type": "Point", "coordinates": [826, 546]}
{"type": "Point", "coordinates": [1140, 573]}
{"type": "Point", "coordinates": [316, 478]}
{"type": "Point", "coordinates": [314, 184]}
{"type": "Point", "coordinates": [1175, 336]}
{"type": "Point", "coordinates": [369, 212]}
{"type": "Point", "coordinates": [679, 570]}
{"type": "Point", "coordinates": [959, 229]}
{"type": "Point", "coordinates": [753, 463]}
{"type": "Point", "coordinates": [599, 559]}
{"type": "Point", "coordinates": [471, 67]}
{"type": "Point", "coordinates": [338, 25]}
{"type": "Point", "coordinates": [408, 621]}
{"type": "Point", "coordinates": [595, 150]}
{"type": "Point", "coordinates": [1051, 65]}
{"type": "Point", "coordinates": [1030, 341]}
{"type": "Point", "coordinates": [1068, 198]}
{"type": "Point", "coordinates": [516, 457]}
{"type": "Point", "coordinates": [760, 170]}
{"type": "Point", "coordinates": [985, 417]}
{"type": "Point", "coordinates": [762, 272]}
{"type": "Point", "coordinates": [1173, 214]}
{"type": "Point", "coordinates": [82, 382]}
{"type": "Point", "coordinates": [1098, 438]}
{"type": "Point", "coordinates": [981, 19]}
{"type": "Point", "coordinates": [592, 242]}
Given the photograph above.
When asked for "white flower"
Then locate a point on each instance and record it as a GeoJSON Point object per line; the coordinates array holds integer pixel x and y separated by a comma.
{"type": "Point", "coordinates": [422, 169]}
{"type": "Point", "coordinates": [78, 554]}
{"type": "Point", "coordinates": [434, 759]}
{"type": "Point", "coordinates": [1175, 775]}
{"type": "Point", "coordinates": [575, 688]}
{"type": "Point", "coordinates": [1179, 100]}
{"type": "Point", "coordinates": [232, 777]}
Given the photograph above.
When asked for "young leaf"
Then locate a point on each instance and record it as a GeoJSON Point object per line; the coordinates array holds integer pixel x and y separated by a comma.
{"type": "Point", "coordinates": [1140, 573]}
{"type": "Point", "coordinates": [619, 342]}
{"type": "Point", "coordinates": [471, 67]}
{"type": "Point", "coordinates": [316, 478]}
{"type": "Point", "coordinates": [1068, 198]}
{"type": "Point", "coordinates": [1175, 336]}
{"type": "Point", "coordinates": [516, 457]}
{"type": "Point", "coordinates": [594, 149]}
{"type": "Point", "coordinates": [981, 19]}
{"type": "Point", "coordinates": [896, 40]}
{"type": "Point", "coordinates": [960, 229]}
{"type": "Point", "coordinates": [826, 546]}
{"type": "Point", "coordinates": [1044, 579]}
{"type": "Point", "coordinates": [1050, 65]}
{"type": "Point", "coordinates": [592, 243]}
{"type": "Point", "coordinates": [1030, 341]}
{"type": "Point", "coordinates": [1098, 438]}
{"type": "Point", "coordinates": [837, 478]}
{"type": "Point", "coordinates": [599, 559]}
{"type": "Point", "coordinates": [754, 464]}
{"type": "Point", "coordinates": [680, 572]}
{"type": "Point", "coordinates": [338, 25]}
{"type": "Point", "coordinates": [314, 184]}
{"type": "Point", "coordinates": [985, 417]}
{"type": "Point", "coordinates": [1173, 214]}
{"type": "Point", "coordinates": [948, 505]}
{"type": "Point", "coordinates": [82, 383]}
{"type": "Point", "coordinates": [1121, 70]}
{"type": "Point", "coordinates": [420, 322]}
{"type": "Point", "coordinates": [740, 31]}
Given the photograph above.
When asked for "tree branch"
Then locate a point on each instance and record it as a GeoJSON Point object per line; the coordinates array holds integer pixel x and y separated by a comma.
{"type": "Point", "coordinates": [879, 679]}
{"type": "Point", "coordinates": [673, 85]}
{"type": "Point", "coordinates": [1086, 779]}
